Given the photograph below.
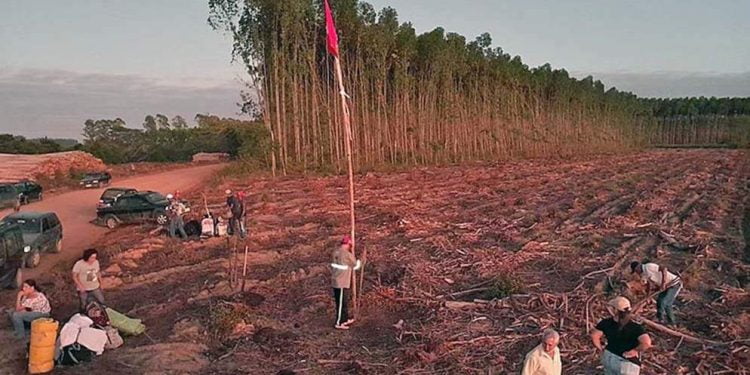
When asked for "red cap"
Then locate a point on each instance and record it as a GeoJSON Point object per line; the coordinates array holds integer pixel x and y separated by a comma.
{"type": "Point", "coordinates": [346, 240]}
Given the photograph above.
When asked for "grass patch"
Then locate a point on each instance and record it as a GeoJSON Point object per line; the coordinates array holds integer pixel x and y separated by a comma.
{"type": "Point", "coordinates": [503, 286]}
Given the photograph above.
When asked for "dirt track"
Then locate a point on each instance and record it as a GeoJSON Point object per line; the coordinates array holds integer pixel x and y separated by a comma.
{"type": "Point", "coordinates": [77, 208]}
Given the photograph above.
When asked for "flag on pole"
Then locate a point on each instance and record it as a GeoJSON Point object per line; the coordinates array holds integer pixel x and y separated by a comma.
{"type": "Point", "coordinates": [333, 38]}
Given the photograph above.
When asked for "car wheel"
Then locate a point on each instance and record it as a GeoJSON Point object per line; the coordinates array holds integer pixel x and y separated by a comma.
{"type": "Point", "coordinates": [58, 246]}
{"type": "Point", "coordinates": [33, 259]}
{"type": "Point", "coordinates": [161, 217]}
{"type": "Point", "coordinates": [111, 222]}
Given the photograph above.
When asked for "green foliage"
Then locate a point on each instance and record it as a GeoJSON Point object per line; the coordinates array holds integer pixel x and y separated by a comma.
{"type": "Point", "coordinates": [10, 144]}
{"type": "Point", "coordinates": [165, 141]}
{"type": "Point", "coordinates": [503, 286]}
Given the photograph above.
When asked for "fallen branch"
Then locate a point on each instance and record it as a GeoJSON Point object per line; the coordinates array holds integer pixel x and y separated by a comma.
{"type": "Point", "coordinates": [586, 276]}
{"type": "Point", "coordinates": [684, 336]}
{"type": "Point", "coordinates": [337, 362]}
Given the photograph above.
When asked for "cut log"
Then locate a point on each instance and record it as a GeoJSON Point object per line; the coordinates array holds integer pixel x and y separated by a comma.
{"type": "Point", "coordinates": [681, 335]}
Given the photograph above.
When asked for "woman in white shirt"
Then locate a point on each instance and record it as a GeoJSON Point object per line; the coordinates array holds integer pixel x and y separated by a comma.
{"type": "Point", "coordinates": [31, 304]}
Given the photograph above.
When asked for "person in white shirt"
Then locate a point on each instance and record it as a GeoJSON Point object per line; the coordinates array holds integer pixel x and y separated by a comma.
{"type": "Point", "coordinates": [544, 359]}
{"type": "Point", "coordinates": [656, 276]}
{"type": "Point", "coordinates": [87, 276]}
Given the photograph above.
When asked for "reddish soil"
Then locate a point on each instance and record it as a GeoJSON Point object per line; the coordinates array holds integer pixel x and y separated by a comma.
{"type": "Point", "coordinates": [535, 230]}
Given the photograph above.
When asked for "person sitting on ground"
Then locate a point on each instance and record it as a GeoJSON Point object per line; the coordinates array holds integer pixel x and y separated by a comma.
{"type": "Point", "coordinates": [544, 359]}
{"type": "Point", "coordinates": [342, 265]}
{"type": "Point", "coordinates": [87, 276]}
{"type": "Point", "coordinates": [626, 340]}
{"type": "Point", "coordinates": [176, 210]}
{"type": "Point", "coordinates": [656, 276]}
{"type": "Point", "coordinates": [31, 304]}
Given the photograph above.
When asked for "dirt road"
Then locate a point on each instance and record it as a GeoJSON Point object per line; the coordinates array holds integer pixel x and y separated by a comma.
{"type": "Point", "coordinates": [77, 208]}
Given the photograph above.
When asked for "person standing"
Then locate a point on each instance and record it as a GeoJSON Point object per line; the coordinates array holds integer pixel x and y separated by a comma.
{"type": "Point", "coordinates": [626, 340]}
{"type": "Point", "coordinates": [31, 304]}
{"type": "Point", "coordinates": [176, 223]}
{"type": "Point", "coordinates": [87, 277]}
{"type": "Point", "coordinates": [544, 359]}
{"type": "Point", "coordinates": [656, 276]}
{"type": "Point", "coordinates": [342, 265]}
{"type": "Point", "coordinates": [18, 202]}
{"type": "Point", "coordinates": [236, 209]}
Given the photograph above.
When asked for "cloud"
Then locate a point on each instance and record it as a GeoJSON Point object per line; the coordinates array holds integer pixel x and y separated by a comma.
{"type": "Point", "coordinates": [678, 84]}
{"type": "Point", "coordinates": [56, 103]}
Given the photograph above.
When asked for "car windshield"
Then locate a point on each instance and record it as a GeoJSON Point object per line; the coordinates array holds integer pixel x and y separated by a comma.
{"type": "Point", "coordinates": [112, 194]}
{"type": "Point", "coordinates": [27, 225]}
{"type": "Point", "coordinates": [155, 197]}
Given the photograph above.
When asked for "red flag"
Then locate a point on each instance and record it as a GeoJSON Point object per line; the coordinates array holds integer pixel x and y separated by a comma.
{"type": "Point", "coordinates": [333, 38]}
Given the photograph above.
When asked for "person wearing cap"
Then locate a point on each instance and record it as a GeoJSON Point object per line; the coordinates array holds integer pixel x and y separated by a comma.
{"type": "Point", "coordinates": [176, 224]}
{"type": "Point", "coordinates": [236, 208]}
{"type": "Point", "coordinates": [626, 340]}
{"type": "Point", "coordinates": [669, 284]}
{"type": "Point", "coordinates": [544, 359]}
{"type": "Point", "coordinates": [342, 265]}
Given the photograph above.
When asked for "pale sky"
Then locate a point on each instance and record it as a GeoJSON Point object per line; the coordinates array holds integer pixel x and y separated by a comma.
{"type": "Point", "coordinates": [62, 62]}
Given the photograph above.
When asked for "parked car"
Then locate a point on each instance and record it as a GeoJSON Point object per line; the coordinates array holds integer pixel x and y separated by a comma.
{"type": "Point", "coordinates": [96, 179]}
{"type": "Point", "coordinates": [8, 195]}
{"type": "Point", "coordinates": [138, 207]}
{"type": "Point", "coordinates": [42, 232]}
{"type": "Point", "coordinates": [29, 190]}
{"type": "Point", "coordinates": [110, 195]}
{"type": "Point", "coordinates": [12, 252]}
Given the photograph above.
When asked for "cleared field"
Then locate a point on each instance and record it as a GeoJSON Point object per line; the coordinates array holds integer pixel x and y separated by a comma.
{"type": "Point", "coordinates": [46, 167]}
{"type": "Point", "coordinates": [465, 266]}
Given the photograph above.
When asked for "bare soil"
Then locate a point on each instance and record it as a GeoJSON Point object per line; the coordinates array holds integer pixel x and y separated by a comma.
{"type": "Point", "coordinates": [465, 267]}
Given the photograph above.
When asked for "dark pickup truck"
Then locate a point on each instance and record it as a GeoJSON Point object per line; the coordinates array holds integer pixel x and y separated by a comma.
{"type": "Point", "coordinates": [137, 207]}
{"type": "Point", "coordinates": [96, 179]}
{"type": "Point", "coordinates": [12, 254]}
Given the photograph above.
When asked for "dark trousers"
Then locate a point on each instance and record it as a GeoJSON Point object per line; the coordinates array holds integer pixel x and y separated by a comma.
{"type": "Point", "coordinates": [237, 226]}
{"type": "Point", "coordinates": [341, 299]}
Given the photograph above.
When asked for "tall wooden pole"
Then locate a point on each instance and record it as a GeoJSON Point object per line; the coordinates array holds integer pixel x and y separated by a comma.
{"type": "Point", "coordinates": [348, 148]}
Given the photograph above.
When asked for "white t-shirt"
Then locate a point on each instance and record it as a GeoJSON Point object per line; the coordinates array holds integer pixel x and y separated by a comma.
{"type": "Point", "coordinates": [87, 274]}
{"type": "Point", "coordinates": [651, 273]}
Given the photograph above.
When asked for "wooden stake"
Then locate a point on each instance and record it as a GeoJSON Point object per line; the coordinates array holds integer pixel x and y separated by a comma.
{"type": "Point", "coordinates": [244, 270]}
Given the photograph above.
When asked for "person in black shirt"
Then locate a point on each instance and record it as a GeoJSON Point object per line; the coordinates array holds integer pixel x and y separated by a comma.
{"type": "Point", "coordinates": [626, 340]}
{"type": "Point", "coordinates": [237, 210]}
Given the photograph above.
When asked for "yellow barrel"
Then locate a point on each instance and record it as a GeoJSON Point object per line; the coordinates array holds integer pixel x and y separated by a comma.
{"type": "Point", "coordinates": [42, 348]}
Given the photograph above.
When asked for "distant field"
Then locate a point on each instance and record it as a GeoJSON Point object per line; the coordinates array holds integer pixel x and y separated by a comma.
{"type": "Point", "coordinates": [46, 167]}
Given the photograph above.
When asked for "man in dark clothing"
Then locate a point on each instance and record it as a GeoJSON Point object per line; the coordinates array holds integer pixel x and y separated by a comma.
{"type": "Point", "coordinates": [626, 340]}
{"type": "Point", "coordinates": [342, 264]}
{"type": "Point", "coordinates": [237, 209]}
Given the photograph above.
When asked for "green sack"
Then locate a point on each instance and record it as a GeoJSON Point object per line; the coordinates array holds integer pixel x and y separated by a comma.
{"type": "Point", "coordinates": [125, 325]}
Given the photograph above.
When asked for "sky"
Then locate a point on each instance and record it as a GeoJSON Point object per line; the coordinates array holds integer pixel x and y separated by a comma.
{"type": "Point", "coordinates": [62, 62]}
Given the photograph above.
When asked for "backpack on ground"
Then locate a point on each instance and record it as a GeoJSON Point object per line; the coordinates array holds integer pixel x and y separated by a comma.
{"type": "Point", "coordinates": [74, 354]}
{"type": "Point", "coordinates": [98, 314]}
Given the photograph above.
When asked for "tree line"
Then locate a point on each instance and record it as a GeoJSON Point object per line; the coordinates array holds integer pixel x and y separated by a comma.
{"type": "Point", "coordinates": [416, 99]}
{"type": "Point", "coordinates": [430, 98]}
{"type": "Point", "coordinates": [164, 140]}
{"type": "Point", "coordinates": [16, 144]}
{"type": "Point", "coordinates": [695, 122]}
